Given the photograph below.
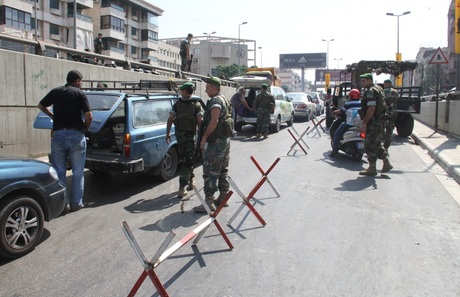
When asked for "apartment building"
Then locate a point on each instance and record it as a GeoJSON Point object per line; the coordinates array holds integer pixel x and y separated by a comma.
{"type": "Point", "coordinates": [290, 80]}
{"type": "Point", "coordinates": [129, 27]}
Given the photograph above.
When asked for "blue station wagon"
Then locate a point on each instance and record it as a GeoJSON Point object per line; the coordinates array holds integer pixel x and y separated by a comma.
{"type": "Point", "coordinates": [128, 133]}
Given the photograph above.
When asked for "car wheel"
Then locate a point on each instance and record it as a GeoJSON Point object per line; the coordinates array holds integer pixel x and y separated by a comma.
{"type": "Point", "coordinates": [275, 128]}
{"type": "Point", "coordinates": [21, 226]}
{"type": "Point", "coordinates": [168, 166]}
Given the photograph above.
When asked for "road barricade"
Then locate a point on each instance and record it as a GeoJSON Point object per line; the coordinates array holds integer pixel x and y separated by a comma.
{"type": "Point", "coordinates": [298, 139]}
{"type": "Point", "coordinates": [264, 178]}
{"type": "Point", "coordinates": [164, 252]}
{"type": "Point", "coordinates": [316, 125]}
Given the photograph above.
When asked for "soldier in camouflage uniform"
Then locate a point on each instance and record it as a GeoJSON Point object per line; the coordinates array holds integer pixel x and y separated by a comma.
{"type": "Point", "coordinates": [186, 115]}
{"type": "Point", "coordinates": [265, 105]}
{"type": "Point", "coordinates": [373, 119]}
{"type": "Point", "coordinates": [215, 145]}
{"type": "Point", "coordinates": [391, 100]}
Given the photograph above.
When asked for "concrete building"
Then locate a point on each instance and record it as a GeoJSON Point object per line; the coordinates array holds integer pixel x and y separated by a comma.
{"type": "Point", "coordinates": [129, 28]}
{"type": "Point", "coordinates": [211, 51]}
{"type": "Point", "coordinates": [290, 80]}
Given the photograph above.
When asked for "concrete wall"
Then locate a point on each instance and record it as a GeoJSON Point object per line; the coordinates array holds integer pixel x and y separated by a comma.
{"type": "Point", "coordinates": [448, 115]}
{"type": "Point", "coordinates": [25, 79]}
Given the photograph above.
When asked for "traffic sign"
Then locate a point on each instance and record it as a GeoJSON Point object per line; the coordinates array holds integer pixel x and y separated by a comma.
{"type": "Point", "coordinates": [438, 58]}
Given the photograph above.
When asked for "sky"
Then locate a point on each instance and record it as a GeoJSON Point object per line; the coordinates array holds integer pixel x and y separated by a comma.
{"type": "Point", "coordinates": [361, 29]}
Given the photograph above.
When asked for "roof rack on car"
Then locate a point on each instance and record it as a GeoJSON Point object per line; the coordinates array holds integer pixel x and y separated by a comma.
{"type": "Point", "coordinates": [157, 85]}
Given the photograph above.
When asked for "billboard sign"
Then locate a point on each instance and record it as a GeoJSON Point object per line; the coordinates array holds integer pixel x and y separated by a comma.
{"type": "Point", "coordinates": [289, 61]}
{"type": "Point", "coordinates": [335, 74]}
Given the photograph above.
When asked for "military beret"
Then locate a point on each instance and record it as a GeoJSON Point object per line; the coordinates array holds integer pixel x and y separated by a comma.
{"type": "Point", "coordinates": [367, 75]}
{"type": "Point", "coordinates": [264, 86]}
{"type": "Point", "coordinates": [213, 81]}
{"type": "Point", "coordinates": [388, 81]}
{"type": "Point", "coordinates": [186, 86]}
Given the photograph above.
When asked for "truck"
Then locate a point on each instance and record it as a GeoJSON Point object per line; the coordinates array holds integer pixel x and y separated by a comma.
{"type": "Point", "coordinates": [267, 72]}
{"type": "Point", "coordinates": [409, 100]}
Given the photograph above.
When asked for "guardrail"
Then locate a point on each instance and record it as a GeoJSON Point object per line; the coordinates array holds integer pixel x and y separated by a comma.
{"type": "Point", "coordinates": [40, 48]}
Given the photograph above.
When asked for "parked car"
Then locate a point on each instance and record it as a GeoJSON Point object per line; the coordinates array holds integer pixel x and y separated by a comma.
{"type": "Point", "coordinates": [128, 132]}
{"type": "Point", "coordinates": [319, 101]}
{"type": "Point", "coordinates": [284, 110]}
{"type": "Point", "coordinates": [30, 194]}
{"type": "Point", "coordinates": [303, 104]}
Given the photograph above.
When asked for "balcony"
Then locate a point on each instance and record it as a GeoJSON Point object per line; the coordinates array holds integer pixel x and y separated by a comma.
{"type": "Point", "coordinates": [84, 3]}
{"type": "Point", "coordinates": [83, 21]}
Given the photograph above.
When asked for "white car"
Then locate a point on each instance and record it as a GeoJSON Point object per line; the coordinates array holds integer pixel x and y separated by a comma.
{"type": "Point", "coordinates": [304, 107]}
{"type": "Point", "coordinates": [318, 100]}
{"type": "Point", "coordinates": [284, 110]}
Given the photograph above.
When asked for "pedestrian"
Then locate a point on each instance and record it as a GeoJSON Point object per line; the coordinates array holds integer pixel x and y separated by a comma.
{"type": "Point", "coordinates": [373, 118]}
{"type": "Point", "coordinates": [98, 44]}
{"type": "Point", "coordinates": [350, 108]}
{"type": "Point", "coordinates": [265, 105]}
{"type": "Point", "coordinates": [184, 53]}
{"type": "Point", "coordinates": [215, 145]}
{"type": "Point", "coordinates": [391, 101]}
{"type": "Point", "coordinates": [239, 103]}
{"type": "Point", "coordinates": [186, 114]}
{"type": "Point", "coordinates": [68, 138]}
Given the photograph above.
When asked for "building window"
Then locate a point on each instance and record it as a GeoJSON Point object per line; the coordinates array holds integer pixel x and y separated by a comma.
{"type": "Point", "coordinates": [149, 18]}
{"type": "Point", "coordinates": [15, 18]}
{"type": "Point", "coordinates": [149, 35]}
{"type": "Point", "coordinates": [54, 29]}
{"type": "Point", "coordinates": [133, 31]}
{"type": "Point", "coordinates": [133, 50]}
{"type": "Point", "coordinates": [54, 4]}
{"type": "Point", "coordinates": [111, 22]}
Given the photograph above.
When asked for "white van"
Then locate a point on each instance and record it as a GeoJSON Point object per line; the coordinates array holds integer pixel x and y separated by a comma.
{"type": "Point", "coordinates": [284, 111]}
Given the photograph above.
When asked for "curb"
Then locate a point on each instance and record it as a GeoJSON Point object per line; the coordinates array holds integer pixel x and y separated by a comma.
{"type": "Point", "coordinates": [440, 158]}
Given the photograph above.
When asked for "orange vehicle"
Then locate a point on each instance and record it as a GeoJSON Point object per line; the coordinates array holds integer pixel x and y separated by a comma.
{"type": "Point", "coordinates": [268, 72]}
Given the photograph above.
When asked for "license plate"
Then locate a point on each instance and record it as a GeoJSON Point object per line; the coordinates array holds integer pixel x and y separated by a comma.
{"type": "Point", "coordinates": [360, 145]}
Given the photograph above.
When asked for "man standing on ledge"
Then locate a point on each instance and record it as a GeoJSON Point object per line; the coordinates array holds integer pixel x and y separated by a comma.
{"type": "Point", "coordinates": [68, 139]}
{"type": "Point", "coordinates": [184, 53]}
{"type": "Point", "coordinates": [265, 105]}
{"type": "Point", "coordinates": [215, 145]}
{"type": "Point", "coordinates": [373, 119]}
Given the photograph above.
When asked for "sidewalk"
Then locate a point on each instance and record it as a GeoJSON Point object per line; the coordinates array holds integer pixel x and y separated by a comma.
{"type": "Point", "coordinates": [443, 148]}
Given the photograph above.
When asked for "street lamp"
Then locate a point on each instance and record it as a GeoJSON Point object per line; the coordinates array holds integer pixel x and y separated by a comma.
{"type": "Point", "coordinates": [398, 55]}
{"type": "Point", "coordinates": [338, 62]}
{"type": "Point", "coordinates": [209, 47]}
{"type": "Point", "coordinates": [327, 52]}
{"type": "Point", "coordinates": [260, 56]}
{"type": "Point", "coordinates": [239, 52]}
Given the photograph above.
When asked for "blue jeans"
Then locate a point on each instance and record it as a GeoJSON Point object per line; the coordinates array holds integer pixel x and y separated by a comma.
{"type": "Point", "coordinates": [72, 144]}
{"type": "Point", "coordinates": [338, 136]}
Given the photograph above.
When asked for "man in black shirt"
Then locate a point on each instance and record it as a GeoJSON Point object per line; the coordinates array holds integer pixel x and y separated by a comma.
{"type": "Point", "coordinates": [68, 138]}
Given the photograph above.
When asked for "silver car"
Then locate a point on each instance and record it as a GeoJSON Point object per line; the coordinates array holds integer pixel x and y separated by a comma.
{"type": "Point", "coordinates": [318, 100]}
{"type": "Point", "coordinates": [304, 107]}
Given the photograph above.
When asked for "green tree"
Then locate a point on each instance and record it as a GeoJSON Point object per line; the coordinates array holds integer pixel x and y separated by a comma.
{"type": "Point", "coordinates": [230, 70]}
{"type": "Point", "coordinates": [429, 79]}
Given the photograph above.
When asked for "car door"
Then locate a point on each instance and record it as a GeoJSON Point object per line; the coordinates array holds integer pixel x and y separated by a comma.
{"type": "Point", "coordinates": [147, 129]}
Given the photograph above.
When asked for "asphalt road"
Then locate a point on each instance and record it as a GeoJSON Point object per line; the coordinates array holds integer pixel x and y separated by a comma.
{"type": "Point", "coordinates": [330, 233]}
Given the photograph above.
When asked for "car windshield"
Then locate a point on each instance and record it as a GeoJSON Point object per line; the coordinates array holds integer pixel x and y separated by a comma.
{"type": "Point", "coordinates": [296, 96]}
{"type": "Point", "coordinates": [102, 101]}
{"type": "Point", "coordinates": [313, 95]}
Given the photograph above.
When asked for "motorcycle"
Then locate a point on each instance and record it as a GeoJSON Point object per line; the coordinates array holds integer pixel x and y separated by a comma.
{"type": "Point", "coordinates": [353, 140]}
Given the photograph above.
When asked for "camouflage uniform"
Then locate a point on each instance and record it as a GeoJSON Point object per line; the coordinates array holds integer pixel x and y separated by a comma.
{"type": "Point", "coordinates": [374, 96]}
{"type": "Point", "coordinates": [265, 104]}
{"type": "Point", "coordinates": [217, 153]}
{"type": "Point", "coordinates": [391, 98]}
{"type": "Point", "coordinates": [183, 54]}
{"type": "Point", "coordinates": [185, 114]}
